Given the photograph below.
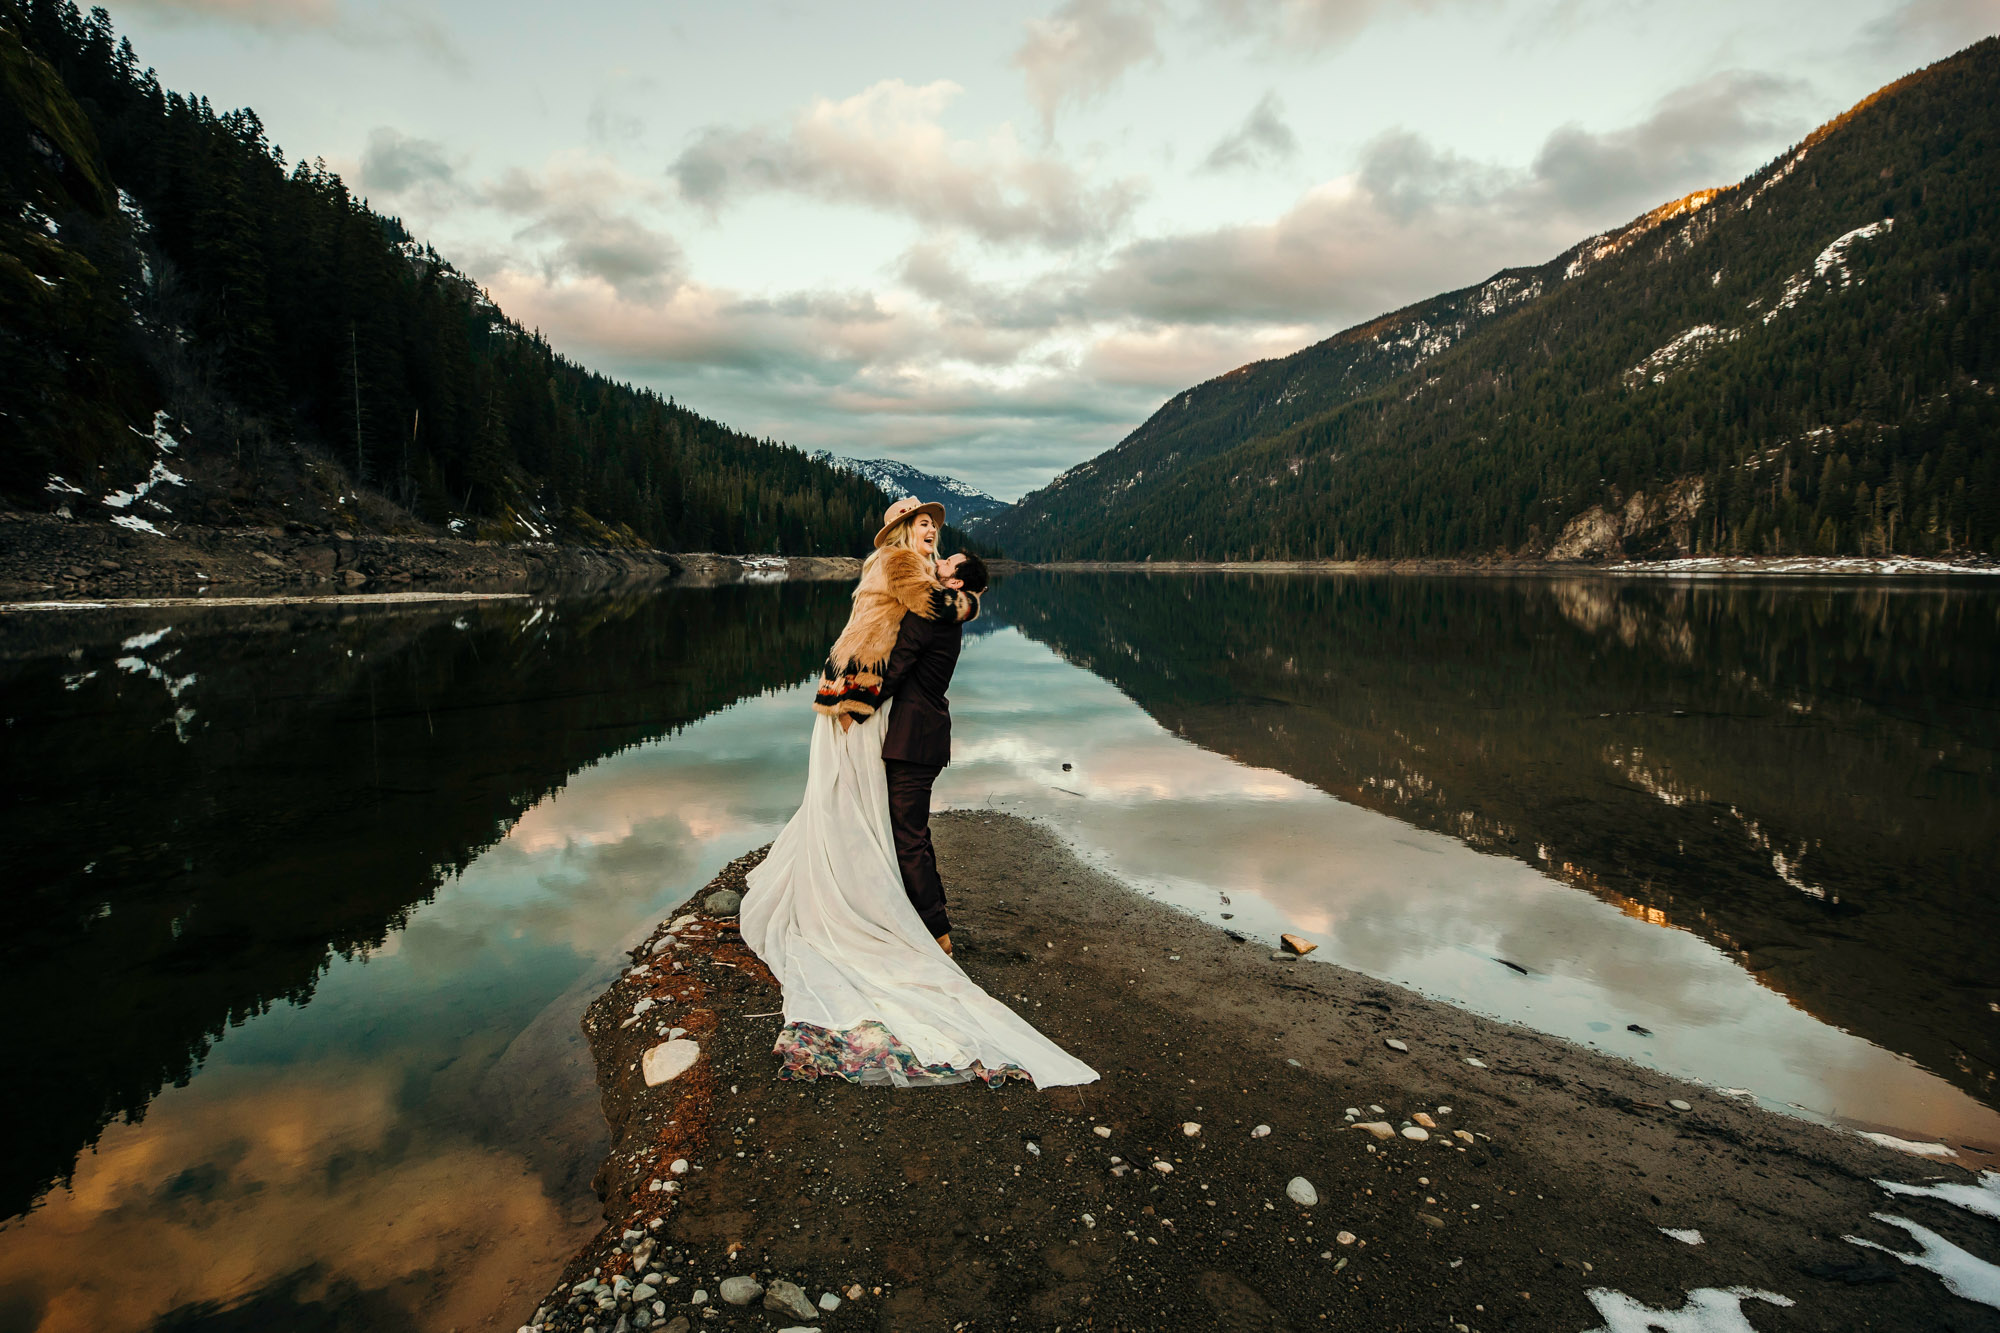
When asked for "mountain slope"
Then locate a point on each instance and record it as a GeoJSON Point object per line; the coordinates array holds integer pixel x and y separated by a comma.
{"type": "Point", "coordinates": [314, 362]}
{"type": "Point", "coordinates": [962, 502]}
{"type": "Point", "coordinates": [1801, 362]}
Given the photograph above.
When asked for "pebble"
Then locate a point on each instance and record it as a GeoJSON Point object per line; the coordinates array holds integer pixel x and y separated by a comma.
{"type": "Point", "coordinates": [1376, 1109]}
{"type": "Point", "coordinates": [679, 1324]}
{"type": "Point", "coordinates": [1262, 1131]}
{"type": "Point", "coordinates": [1102, 1131]}
{"type": "Point", "coordinates": [1417, 1132]}
{"type": "Point", "coordinates": [740, 1290]}
{"type": "Point", "coordinates": [1461, 1134]}
{"type": "Point", "coordinates": [679, 1167]}
{"type": "Point", "coordinates": [788, 1298]}
{"type": "Point", "coordinates": [669, 1060]}
{"type": "Point", "coordinates": [854, 1293]}
{"type": "Point", "coordinates": [645, 1291]}
{"type": "Point", "coordinates": [1431, 1220]}
{"type": "Point", "coordinates": [1191, 1129]}
{"type": "Point", "coordinates": [1353, 1113]}
{"type": "Point", "coordinates": [1301, 1192]}
{"type": "Point", "coordinates": [1280, 956]}
{"type": "Point", "coordinates": [1475, 1062]}
{"type": "Point", "coordinates": [1298, 944]}
{"type": "Point", "coordinates": [1424, 1120]}
{"type": "Point", "coordinates": [1164, 1168]}
{"type": "Point", "coordinates": [700, 1297]}
{"type": "Point", "coordinates": [1444, 1110]}
{"type": "Point", "coordinates": [1679, 1105]}
{"type": "Point", "coordinates": [723, 902]}
{"type": "Point", "coordinates": [1381, 1129]}
{"type": "Point", "coordinates": [1395, 1044]}
{"type": "Point", "coordinates": [1345, 1238]}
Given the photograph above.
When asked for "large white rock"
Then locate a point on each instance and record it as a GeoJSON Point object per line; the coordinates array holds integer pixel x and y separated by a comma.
{"type": "Point", "coordinates": [1301, 1192]}
{"type": "Point", "coordinates": [669, 1060]}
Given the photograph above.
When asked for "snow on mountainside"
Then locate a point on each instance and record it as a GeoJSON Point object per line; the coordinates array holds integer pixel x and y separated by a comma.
{"type": "Point", "coordinates": [961, 502]}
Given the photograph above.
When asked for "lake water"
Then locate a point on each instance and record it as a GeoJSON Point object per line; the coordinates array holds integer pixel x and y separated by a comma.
{"type": "Point", "coordinates": [304, 903]}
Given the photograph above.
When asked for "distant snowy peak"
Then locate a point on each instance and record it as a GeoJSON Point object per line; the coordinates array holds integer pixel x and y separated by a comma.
{"type": "Point", "coordinates": [960, 501]}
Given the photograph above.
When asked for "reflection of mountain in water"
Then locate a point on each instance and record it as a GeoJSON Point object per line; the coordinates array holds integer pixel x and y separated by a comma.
{"type": "Point", "coordinates": [1805, 777]}
{"type": "Point", "coordinates": [196, 821]}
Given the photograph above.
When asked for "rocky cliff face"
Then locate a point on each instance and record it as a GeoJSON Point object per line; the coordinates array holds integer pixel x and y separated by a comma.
{"type": "Point", "coordinates": [1656, 525]}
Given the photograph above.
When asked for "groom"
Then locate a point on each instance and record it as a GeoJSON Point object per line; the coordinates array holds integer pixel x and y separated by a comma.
{"type": "Point", "coordinates": [917, 745]}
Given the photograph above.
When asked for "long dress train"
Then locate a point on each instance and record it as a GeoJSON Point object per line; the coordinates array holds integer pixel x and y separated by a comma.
{"type": "Point", "coordinates": [868, 994]}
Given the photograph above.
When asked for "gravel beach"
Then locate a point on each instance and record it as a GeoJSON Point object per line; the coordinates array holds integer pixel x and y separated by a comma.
{"type": "Point", "coordinates": [1273, 1145]}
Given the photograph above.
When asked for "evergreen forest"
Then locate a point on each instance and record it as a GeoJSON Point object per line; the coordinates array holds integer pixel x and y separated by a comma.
{"type": "Point", "coordinates": [1801, 364]}
{"type": "Point", "coordinates": [157, 254]}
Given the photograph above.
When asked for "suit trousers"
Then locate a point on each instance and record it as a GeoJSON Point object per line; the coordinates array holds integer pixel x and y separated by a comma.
{"type": "Point", "coordinates": [910, 819]}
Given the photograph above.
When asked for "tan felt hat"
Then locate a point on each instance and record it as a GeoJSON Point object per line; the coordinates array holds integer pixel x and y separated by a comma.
{"type": "Point", "coordinates": [907, 507]}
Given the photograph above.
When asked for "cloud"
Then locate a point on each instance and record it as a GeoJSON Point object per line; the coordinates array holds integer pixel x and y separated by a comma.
{"type": "Point", "coordinates": [574, 220]}
{"type": "Point", "coordinates": [1413, 220]}
{"type": "Point", "coordinates": [385, 27]}
{"type": "Point", "coordinates": [1261, 139]}
{"type": "Point", "coordinates": [1302, 26]}
{"type": "Point", "coordinates": [1956, 22]}
{"type": "Point", "coordinates": [1078, 53]}
{"type": "Point", "coordinates": [273, 14]}
{"type": "Point", "coordinates": [1696, 133]}
{"type": "Point", "coordinates": [394, 162]}
{"type": "Point", "coordinates": [883, 148]}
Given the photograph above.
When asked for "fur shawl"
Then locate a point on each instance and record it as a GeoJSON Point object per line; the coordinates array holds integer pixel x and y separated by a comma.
{"type": "Point", "coordinates": [897, 585]}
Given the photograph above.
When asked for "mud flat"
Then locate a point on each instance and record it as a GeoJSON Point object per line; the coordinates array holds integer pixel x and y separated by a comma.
{"type": "Point", "coordinates": [1544, 1187]}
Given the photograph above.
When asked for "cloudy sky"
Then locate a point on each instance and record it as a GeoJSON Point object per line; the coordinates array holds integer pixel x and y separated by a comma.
{"type": "Point", "coordinates": [990, 239]}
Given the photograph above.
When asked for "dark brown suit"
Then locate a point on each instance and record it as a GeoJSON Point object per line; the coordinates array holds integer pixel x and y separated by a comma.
{"type": "Point", "coordinates": [916, 749]}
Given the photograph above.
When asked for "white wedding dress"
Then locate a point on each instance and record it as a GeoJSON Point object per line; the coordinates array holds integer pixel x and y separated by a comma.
{"type": "Point", "coordinates": [827, 913]}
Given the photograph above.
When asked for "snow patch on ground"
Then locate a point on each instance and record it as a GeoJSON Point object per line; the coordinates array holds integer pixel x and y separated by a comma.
{"type": "Point", "coordinates": [1685, 1235]}
{"type": "Point", "coordinates": [1708, 1310]}
{"type": "Point", "coordinates": [135, 524]}
{"type": "Point", "coordinates": [1686, 347]}
{"type": "Point", "coordinates": [1908, 1146]}
{"type": "Point", "coordinates": [1834, 256]}
{"type": "Point", "coordinates": [1839, 564]}
{"type": "Point", "coordinates": [1983, 1198]}
{"type": "Point", "coordinates": [1963, 1274]}
{"type": "Point", "coordinates": [138, 643]}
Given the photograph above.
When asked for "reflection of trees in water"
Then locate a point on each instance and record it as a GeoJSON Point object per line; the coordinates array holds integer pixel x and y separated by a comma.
{"type": "Point", "coordinates": [182, 861]}
{"type": "Point", "coordinates": [1805, 776]}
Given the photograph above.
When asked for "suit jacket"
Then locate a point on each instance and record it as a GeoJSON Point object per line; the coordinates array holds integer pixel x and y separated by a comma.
{"type": "Point", "coordinates": [917, 677]}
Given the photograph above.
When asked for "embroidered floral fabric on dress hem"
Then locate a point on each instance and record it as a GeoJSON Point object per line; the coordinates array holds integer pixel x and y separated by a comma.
{"type": "Point", "coordinates": [870, 1053]}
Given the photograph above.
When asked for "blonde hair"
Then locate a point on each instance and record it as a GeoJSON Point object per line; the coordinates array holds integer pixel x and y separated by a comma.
{"type": "Point", "coordinates": [904, 536]}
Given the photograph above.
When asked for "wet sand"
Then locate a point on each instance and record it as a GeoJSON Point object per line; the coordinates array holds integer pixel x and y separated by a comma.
{"type": "Point", "coordinates": [968, 1208]}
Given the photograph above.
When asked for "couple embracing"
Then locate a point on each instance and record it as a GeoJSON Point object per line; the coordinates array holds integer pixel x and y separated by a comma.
{"type": "Point", "coordinates": [848, 910]}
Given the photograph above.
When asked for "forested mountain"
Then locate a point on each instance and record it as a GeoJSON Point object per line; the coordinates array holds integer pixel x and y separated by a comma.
{"type": "Point", "coordinates": [1804, 362]}
{"type": "Point", "coordinates": [962, 501]}
{"type": "Point", "coordinates": [313, 360]}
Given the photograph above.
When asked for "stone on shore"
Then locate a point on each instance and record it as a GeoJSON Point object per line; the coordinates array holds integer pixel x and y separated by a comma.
{"type": "Point", "coordinates": [1102, 1131]}
{"type": "Point", "coordinates": [741, 1290]}
{"type": "Point", "coordinates": [669, 1060]}
{"type": "Point", "coordinates": [1191, 1129]}
{"type": "Point", "coordinates": [1424, 1120]}
{"type": "Point", "coordinates": [1381, 1129]}
{"type": "Point", "coordinates": [723, 902]}
{"type": "Point", "coordinates": [788, 1298]}
{"type": "Point", "coordinates": [1416, 1132]}
{"type": "Point", "coordinates": [1262, 1131]}
{"type": "Point", "coordinates": [1678, 1104]}
{"type": "Point", "coordinates": [1298, 944]}
{"type": "Point", "coordinates": [1301, 1192]}
{"type": "Point", "coordinates": [1395, 1044]}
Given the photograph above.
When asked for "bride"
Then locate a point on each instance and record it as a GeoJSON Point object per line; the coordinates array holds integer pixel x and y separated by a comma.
{"type": "Point", "coordinates": [869, 995]}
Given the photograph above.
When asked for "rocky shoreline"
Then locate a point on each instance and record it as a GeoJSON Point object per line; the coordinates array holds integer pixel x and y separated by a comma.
{"type": "Point", "coordinates": [1274, 1144]}
{"type": "Point", "coordinates": [43, 557]}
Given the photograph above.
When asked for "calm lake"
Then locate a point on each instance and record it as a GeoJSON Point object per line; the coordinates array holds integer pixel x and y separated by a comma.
{"type": "Point", "coordinates": [303, 904]}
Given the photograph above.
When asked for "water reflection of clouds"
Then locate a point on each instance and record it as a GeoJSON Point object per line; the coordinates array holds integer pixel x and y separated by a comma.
{"type": "Point", "coordinates": [1397, 902]}
{"type": "Point", "coordinates": [246, 1174]}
